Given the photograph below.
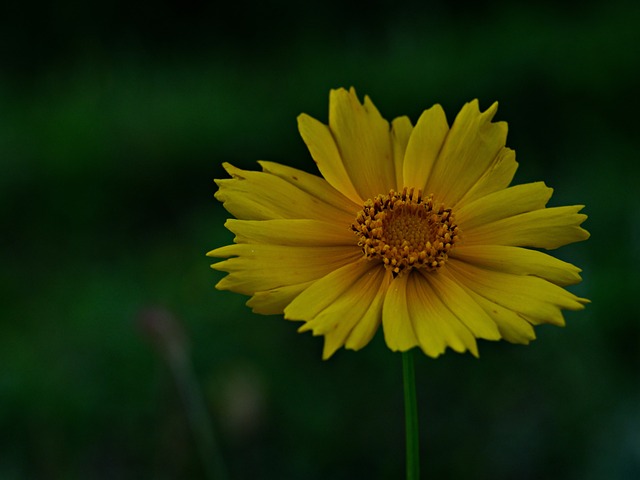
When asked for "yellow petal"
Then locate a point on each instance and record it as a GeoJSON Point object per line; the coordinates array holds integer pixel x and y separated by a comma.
{"type": "Point", "coordinates": [296, 232]}
{"type": "Point", "coordinates": [327, 289]}
{"type": "Point", "coordinates": [258, 267]}
{"type": "Point", "coordinates": [358, 301]}
{"type": "Point", "coordinates": [530, 296]}
{"type": "Point", "coordinates": [253, 195]}
{"type": "Point", "coordinates": [366, 328]}
{"type": "Point", "coordinates": [364, 141]}
{"type": "Point", "coordinates": [274, 301]}
{"type": "Point", "coordinates": [312, 184]}
{"type": "Point", "coordinates": [324, 151]}
{"type": "Point", "coordinates": [470, 149]}
{"type": "Point", "coordinates": [497, 177]}
{"type": "Point", "coordinates": [519, 261]}
{"type": "Point", "coordinates": [502, 204]}
{"type": "Point", "coordinates": [423, 148]}
{"type": "Point", "coordinates": [513, 328]}
{"type": "Point", "coordinates": [435, 325]}
{"type": "Point", "coordinates": [462, 305]}
{"type": "Point", "coordinates": [396, 320]}
{"type": "Point", "coordinates": [547, 228]}
{"type": "Point", "coordinates": [400, 133]}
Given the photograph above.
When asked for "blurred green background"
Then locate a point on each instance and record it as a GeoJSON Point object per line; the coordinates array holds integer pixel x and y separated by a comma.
{"type": "Point", "coordinates": [115, 118]}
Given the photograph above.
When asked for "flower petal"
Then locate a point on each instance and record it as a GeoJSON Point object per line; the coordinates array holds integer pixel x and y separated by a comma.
{"type": "Point", "coordinates": [274, 301]}
{"type": "Point", "coordinates": [513, 328]}
{"type": "Point", "coordinates": [313, 185]}
{"type": "Point", "coordinates": [364, 141]}
{"type": "Point", "coordinates": [530, 296]}
{"type": "Point", "coordinates": [294, 232]}
{"type": "Point", "coordinates": [423, 148]}
{"type": "Point", "coordinates": [519, 261]}
{"type": "Point", "coordinates": [502, 204]}
{"type": "Point", "coordinates": [251, 195]}
{"type": "Point", "coordinates": [469, 150]}
{"type": "Point", "coordinates": [324, 151]}
{"type": "Point", "coordinates": [435, 325]}
{"type": "Point", "coordinates": [258, 267]}
{"type": "Point", "coordinates": [401, 129]}
{"type": "Point", "coordinates": [366, 328]}
{"type": "Point", "coordinates": [463, 306]}
{"type": "Point", "coordinates": [497, 177]}
{"type": "Point", "coordinates": [396, 320]}
{"type": "Point", "coordinates": [327, 289]}
{"type": "Point", "coordinates": [361, 301]}
{"type": "Point", "coordinates": [546, 228]}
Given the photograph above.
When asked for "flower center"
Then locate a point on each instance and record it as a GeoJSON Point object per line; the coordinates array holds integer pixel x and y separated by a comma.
{"type": "Point", "coordinates": [406, 231]}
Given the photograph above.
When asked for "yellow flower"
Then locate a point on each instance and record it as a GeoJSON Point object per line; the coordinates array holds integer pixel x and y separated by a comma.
{"type": "Point", "coordinates": [414, 227]}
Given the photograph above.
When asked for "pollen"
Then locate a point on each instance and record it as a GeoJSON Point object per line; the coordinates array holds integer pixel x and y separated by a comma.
{"type": "Point", "coordinates": [406, 230]}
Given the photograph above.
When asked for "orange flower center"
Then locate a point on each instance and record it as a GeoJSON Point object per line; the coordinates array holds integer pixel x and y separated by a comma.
{"type": "Point", "coordinates": [406, 231]}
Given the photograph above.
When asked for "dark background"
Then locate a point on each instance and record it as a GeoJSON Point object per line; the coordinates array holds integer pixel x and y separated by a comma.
{"type": "Point", "coordinates": [115, 118]}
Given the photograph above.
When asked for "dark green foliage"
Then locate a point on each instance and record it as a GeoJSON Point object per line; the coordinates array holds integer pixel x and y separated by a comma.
{"type": "Point", "coordinates": [115, 120]}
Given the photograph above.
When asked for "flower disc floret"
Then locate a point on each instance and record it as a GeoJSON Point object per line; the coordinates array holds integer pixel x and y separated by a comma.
{"type": "Point", "coordinates": [406, 230]}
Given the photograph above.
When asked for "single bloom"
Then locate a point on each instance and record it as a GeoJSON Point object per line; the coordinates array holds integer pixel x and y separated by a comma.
{"type": "Point", "coordinates": [414, 227]}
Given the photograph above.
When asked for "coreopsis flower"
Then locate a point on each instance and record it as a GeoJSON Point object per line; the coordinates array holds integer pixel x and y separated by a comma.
{"type": "Point", "coordinates": [412, 227]}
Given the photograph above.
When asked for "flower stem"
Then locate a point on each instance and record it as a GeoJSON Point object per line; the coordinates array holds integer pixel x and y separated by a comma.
{"type": "Point", "coordinates": [411, 416]}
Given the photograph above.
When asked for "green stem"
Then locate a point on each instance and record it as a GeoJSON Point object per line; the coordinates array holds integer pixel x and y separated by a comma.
{"type": "Point", "coordinates": [411, 416]}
